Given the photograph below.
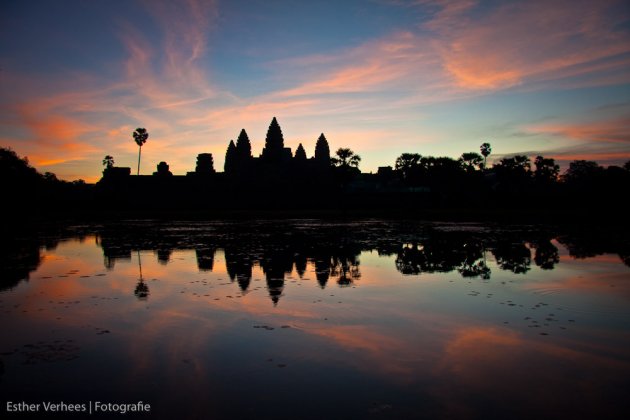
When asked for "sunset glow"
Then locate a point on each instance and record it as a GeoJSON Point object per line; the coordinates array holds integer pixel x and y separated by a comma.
{"type": "Point", "coordinates": [382, 77]}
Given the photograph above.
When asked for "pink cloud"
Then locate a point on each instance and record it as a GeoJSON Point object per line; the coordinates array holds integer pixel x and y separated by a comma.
{"type": "Point", "coordinates": [401, 61]}
{"type": "Point", "coordinates": [530, 42]}
{"type": "Point", "coordinates": [604, 141]}
{"type": "Point", "coordinates": [174, 77]}
{"type": "Point", "coordinates": [615, 130]}
{"type": "Point", "coordinates": [452, 55]}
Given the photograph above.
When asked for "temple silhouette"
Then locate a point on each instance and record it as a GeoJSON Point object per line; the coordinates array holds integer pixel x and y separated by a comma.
{"type": "Point", "coordinates": [280, 182]}
{"type": "Point", "coordinates": [275, 161]}
{"type": "Point", "coordinates": [268, 180]}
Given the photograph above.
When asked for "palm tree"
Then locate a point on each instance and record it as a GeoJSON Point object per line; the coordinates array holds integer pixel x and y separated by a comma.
{"type": "Point", "coordinates": [346, 165]}
{"type": "Point", "coordinates": [108, 162]}
{"type": "Point", "coordinates": [470, 161]}
{"type": "Point", "coordinates": [485, 151]}
{"type": "Point", "coordinates": [408, 165]}
{"type": "Point", "coordinates": [140, 136]}
{"type": "Point", "coordinates": [346, 158]}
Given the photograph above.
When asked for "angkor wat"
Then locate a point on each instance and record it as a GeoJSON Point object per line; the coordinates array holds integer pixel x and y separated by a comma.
{"type": "Point", "coordinates": [279, 182]}
{"type": "Point", "coordinates": [269, 180]}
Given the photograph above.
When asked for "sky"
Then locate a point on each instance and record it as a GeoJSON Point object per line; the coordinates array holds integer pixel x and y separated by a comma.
{"type": "Point", "coordinates": [382, 77]}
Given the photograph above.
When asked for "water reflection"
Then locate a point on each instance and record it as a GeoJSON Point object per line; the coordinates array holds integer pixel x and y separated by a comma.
{"type": "Point", "coordinates": [335, 252]}
{"type": "Point", "coordinates": [379, 319]}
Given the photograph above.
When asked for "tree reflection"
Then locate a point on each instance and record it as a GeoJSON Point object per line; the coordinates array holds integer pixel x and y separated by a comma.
{"type": "Point", "coordinates": [18, 258]}
{"type": "Point", "coordinates": [514, 257]}
{"type": "Point", "coordinates": [332, 252]}
{"type": "Point", "coordinates": [546, 255]}
{"type": "Point", "coordinates": [142, 290]}
{"type": "Point", "coordinates": [444, 253]}
{"type": "Point", "coordinates": [345, 268]}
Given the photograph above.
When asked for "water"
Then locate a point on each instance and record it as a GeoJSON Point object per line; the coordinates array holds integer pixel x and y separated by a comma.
{"type": "Point", "coordinates": [308, 319]}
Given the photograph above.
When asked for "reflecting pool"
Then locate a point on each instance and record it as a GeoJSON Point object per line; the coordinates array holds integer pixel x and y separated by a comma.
{"type": "Point", "coordinates": [311, 319]}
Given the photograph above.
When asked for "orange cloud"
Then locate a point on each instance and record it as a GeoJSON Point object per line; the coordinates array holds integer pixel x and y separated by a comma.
{"type": "Point", "coordinates": [54, 138]}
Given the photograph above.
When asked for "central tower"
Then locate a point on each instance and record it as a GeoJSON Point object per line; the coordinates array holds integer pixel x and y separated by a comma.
{"type": "Point", "coordinates": [274, 150]}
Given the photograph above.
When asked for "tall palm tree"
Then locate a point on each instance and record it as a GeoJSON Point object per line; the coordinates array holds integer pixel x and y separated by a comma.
{"type": "Point", "coordinates": [140, 136]}
{"type": "Point", "coordinates": [485, 151]}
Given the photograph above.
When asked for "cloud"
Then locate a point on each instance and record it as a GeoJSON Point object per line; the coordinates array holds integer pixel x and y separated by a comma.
{"type": "Point", "coordinates": [467, 49]}
{"type": "Point", "coordinates": [54, 138]}
{"type": "Point", "coordinates": [531, 42]}
{"type": "Point", "coordinates": [399, 64]}
{"type": "Point", "coordinates": [370, 95]}
{"type": "Point", "coordinates": [604, 141]}
{"type": "Point", "coordinates": [615, 130]}
{"type": "Point", "coordinates": [161, 82]}
{"type": "Point", "coordinates": [478, 359]}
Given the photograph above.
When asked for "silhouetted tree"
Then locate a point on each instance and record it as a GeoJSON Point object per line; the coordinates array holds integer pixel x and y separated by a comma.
{"type": "Point", "coordinates": [346, 158]}
{"type": "Point", "coordinates": [140, 136]}
{"type": "Point", "coordinates": [485, 149]}
{"type": "Point", "coordinates": [322, 151]}
{"type": "Point", "coordinates": [626, 166]}
{"type": "Point", "coordinates": [50, 177]}
{"type": "Point", "coordinates": [471, 161]}
{"type": "Point", "coordinates": [20, 183]}
{"type": "Point", "coordinates": [345, 166]}
{"type": "Point", "coordinates": [408, 165]}
{"type": "Point", "coordinates": [583, 171]}
{"type": "Point", "coordinates": [300, 153]}
{"type": "Point", "coordinates": [108, 162]}
{"type": "Point", "coordinates": [442, 174]}
{"type": "Point", "coordinates": [513, 175]}
{"type": "Point", "coordinates": [516, 164]}
{"type": "Point", "coordinates": [546, 170]}
{"type": "Point", "coordinates": [16, 169]}
{"type": "Point", "coordinates": [230, 158]}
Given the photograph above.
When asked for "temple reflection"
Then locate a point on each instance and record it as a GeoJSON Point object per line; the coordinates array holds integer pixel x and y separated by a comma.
{"type": "Point", "coordinates": [333, 253]}
{"type": "Point", "coordinates": [330, 251]}
{"type": "Point", "coordinates": [205, 258]}
{"type": "Point", "coordinates": [239, 267]}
